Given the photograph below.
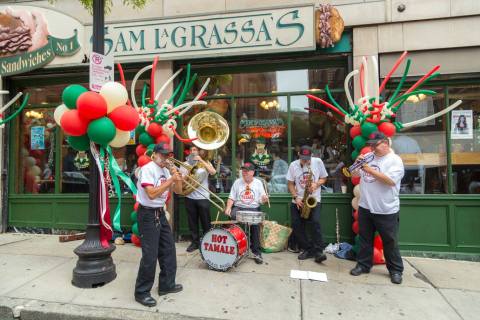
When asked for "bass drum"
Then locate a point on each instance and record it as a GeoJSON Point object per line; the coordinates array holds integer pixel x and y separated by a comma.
{"type": "Point", "coordinates": [222, 247]}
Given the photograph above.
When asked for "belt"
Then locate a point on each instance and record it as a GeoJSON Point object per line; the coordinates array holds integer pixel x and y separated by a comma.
{"type": "Point", "coordinates": [151, 208]}
{"type": "Point", "coordinates": [157, 211]}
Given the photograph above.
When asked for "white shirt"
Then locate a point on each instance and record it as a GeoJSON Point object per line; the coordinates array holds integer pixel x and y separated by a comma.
{"type": "Point", "coordinates": [199, 193]}
{"type": "Point", "coordinates": [377, 196]}
{"type": "Point", "coordinates": [153, 175]}
{"type": "Point", "coordinates": [247, 199]}
{"type": "Point", "coordinates": [299, 175]}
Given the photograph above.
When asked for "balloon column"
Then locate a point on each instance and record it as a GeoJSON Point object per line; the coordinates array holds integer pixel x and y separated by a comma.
{"type": "Point", "coordinates": [373, 112]}
{"type": "Point", "coordinates": [105, 119]}
{"type": "Point", "coordinates": [158, 123]}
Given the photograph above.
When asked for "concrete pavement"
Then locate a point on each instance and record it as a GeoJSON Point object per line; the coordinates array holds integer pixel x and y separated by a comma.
{"type": "Point", "coordinates": [36, 270]}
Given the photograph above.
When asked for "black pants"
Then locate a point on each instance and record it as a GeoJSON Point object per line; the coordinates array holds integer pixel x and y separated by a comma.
{"type": "Point", "coordinates": [198, 210]}
{"type": "Point", "coordinates": [254, 230]}
{"type": "Point", "coordinates": [157, 244]}
{"type": "Point", "coordinates": [315, 245]}
{"type": "Point", "coordinates": [387, 226]}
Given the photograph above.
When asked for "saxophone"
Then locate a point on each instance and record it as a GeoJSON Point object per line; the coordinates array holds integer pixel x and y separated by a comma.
{"type": "Point", "coordinates": [308, 200]}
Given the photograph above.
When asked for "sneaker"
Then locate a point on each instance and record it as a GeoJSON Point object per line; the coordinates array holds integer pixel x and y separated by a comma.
{"type": "Point", "coordinates": [294, 250]}
{"type": "Point", "coordinates": [358, 271]}
{"type": "Point", "coordinates": [176, 288]}
{"type": "Point", "coordinates": [258, 259]}
{"type": "Point", "coordinates": [192, 247]}
{"type": "Point", "coordinates": [320, 257]}
{"type": "Point", "coordinates": [305, 255]}
{"type": "Point", "coordinates": [396, 278]}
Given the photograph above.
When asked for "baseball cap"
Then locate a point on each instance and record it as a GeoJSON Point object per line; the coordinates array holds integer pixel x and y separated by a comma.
{"type": "Point", "coordinates": [248, 166]}
{"type": "Point", "coordinates": [375, 137]}
{"type": "Point", "coordinates": [161, 148]}
{"type": "Point", "coordinates": [305, 153]}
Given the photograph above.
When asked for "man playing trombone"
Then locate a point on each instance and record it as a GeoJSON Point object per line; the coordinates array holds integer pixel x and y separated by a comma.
{"type": "Point", "coordinates": [197, 202]}
{"type": "Point", "coordinates": [248, 193]}
{"type": "Point", "coordinates": [155, 181]}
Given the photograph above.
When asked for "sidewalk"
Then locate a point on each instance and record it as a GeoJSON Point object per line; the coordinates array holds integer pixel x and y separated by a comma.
{"type": "Point", "coordinates": [36, 270]}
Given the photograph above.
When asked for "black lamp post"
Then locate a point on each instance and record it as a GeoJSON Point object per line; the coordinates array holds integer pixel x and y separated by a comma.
{"type": "Point", "coordinates": [95, 265]}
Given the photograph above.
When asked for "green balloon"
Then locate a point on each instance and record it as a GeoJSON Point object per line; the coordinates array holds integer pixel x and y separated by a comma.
{"type": "Point", "coordinates": [139, 130]}
{"type": "Point", "coordinates": [355, 154]}
{"type": "Point", "coordinates": [359, 142]}
{"type": "Point", "coordinates": [145, 139]}
{"type": "Point", "coordinates": [133, 216]}
{"type": "Point", "coordinates": [101, 131]}
{"type": "Point", "coordinates": [368, 128]}
{"type": "Point", "coordinates": [71, 93]}
{"type": "Point", "coordinates": [81, 143]}
{"type": "Point", "coordinates": [135, 229]}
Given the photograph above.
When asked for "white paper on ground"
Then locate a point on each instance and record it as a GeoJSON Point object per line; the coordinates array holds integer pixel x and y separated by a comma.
{"type": "Point", "coordinates": [308, 275]}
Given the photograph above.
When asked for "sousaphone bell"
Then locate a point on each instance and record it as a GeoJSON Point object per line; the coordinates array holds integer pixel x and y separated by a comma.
{"type": "Point", "coordinates": [210, 130]}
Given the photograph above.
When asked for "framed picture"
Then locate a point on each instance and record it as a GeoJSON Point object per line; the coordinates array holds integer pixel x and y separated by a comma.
{"type": "Point", "coordinates": [462, 124]}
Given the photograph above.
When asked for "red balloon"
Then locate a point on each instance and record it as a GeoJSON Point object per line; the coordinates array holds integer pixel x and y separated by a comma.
{"type": "Point", "coordinates": [91, 105]}
{"type": "Point", "coordinates": [140, 150]}
{"type": "Point", "coordinates": [355, 131]}
{"type": "Point", "coordinates": [377, 242]}
{"type": "Point", "coordinates": [135, 206]}
{"type": "Point", "coordinates": [136, 240]}
{"type": "Point", "coordinates": [387, 128]}
{"type": "Point", "coordinates": [355, 180]}
{"type": "Point", "coordinates": [143, 160]}
{"type": "Point", "coordinates": [155, 130]}
{"type": "Point", "coordinates": [355, 215]}
{"type": "Point", "coordinates": [378, 256]}
{"type": "Point", "coordinates": [163, 138]}
{"type": "Point", "coordinates": [125, 118]}
{"type": "Point", "coordinates": [355, 227]}
{"type": "Point", "coordinates": [73, 124]}
{"type": "Point", "coordinates": [366, 149]}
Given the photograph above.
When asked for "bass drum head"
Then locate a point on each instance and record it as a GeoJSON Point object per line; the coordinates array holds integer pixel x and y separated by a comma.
{"type": "Point", "coordinates": [219, 249]}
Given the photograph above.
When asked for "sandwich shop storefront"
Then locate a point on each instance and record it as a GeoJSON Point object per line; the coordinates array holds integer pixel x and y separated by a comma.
{"type": "Point", "coordinates": [260, 64]}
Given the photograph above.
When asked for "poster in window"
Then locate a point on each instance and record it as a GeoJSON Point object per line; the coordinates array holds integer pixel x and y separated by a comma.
{"type": "Point", "coordinates": [37, 138]}
{"type": "Point", "coordinates": [462, 124]}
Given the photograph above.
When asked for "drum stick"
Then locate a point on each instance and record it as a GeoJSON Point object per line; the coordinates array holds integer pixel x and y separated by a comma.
{"type": "Point", "coordinates": [266, 192]}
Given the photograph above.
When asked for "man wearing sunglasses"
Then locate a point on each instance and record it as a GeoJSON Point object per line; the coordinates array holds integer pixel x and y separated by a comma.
{"type": "Point", "coordinates": [247, 194]}
{"type": "Point", "coordinates": [379, 207]}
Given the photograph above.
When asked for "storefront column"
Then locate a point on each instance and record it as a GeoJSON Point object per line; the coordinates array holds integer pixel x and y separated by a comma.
{"type": "Point", "coordinates": [3, 212]}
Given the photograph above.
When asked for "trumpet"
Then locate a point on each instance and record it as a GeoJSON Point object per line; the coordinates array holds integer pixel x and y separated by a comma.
{"type": "Point", "coordinates": [367, 158]}
{"type": "Point", "coordinates": [190, 183]}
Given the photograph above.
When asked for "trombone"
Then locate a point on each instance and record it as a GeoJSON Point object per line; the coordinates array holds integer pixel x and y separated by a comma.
{"type": "Point", "coordinates": [191, 182]}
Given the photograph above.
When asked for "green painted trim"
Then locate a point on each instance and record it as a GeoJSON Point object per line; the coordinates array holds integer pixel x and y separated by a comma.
{"type": "Point", "coordinates": [289, 129]}
{"type": "Point", "coordinates": [449, 145]}
{"type": "Point", "coordinates": [441, 255]}
{"type": "Point", "coordinates": [58, 158]}
{"type": "Point", "coordinates": [233, 121]}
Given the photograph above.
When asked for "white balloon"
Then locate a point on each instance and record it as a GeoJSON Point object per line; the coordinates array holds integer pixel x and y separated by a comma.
{"type": "Point", "coordinates": [114, 94]}
{"type": "Point", "coordinates": [58, 113]}
{"type": "Point", "coordinates": [121, 139]}
{"type": "Point", "coordinates": [356, 190]}
{"type": "Point", "coordinates": [355, 203]}
{"type": "Point", "coordinates": [35, 170]}
{"type": "Point", "coordinates": [137, 172]}
{"type": "Point", "coordinates": [30, 162]}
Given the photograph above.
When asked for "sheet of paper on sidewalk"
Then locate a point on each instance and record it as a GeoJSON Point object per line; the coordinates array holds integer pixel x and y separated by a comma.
{"type": "Point", "coordinates": [308, 275]}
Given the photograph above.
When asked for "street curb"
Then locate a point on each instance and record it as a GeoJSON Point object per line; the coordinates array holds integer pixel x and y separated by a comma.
{"type": "Point", "coordinates": [14, 308]}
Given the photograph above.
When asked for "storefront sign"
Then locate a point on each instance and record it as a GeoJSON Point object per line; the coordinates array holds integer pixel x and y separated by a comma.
{"type": "Point", "coordinates": [101, 70]}
{"type": "Point", "coordinates": [26, 43]}
{"type": "Point", "coordinates": [264, 31]}
{"type": "Point", "coordinates": [267, 128]}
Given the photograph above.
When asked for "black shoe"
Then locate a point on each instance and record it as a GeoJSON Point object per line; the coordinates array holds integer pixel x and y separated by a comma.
{"type": "Point", "coordinates": [176, 288]}
{"type": "Point", "coordinates": [396, 278]}
{"type": "Point", "coordinates": [192, 247]}
{"type": "Point", "coordinates": [305, 255]}
{"type": "Point", "coordinates": [320, 257]}
{"type": "Point", "coordinates": [294, 250]}
{"type": "Point", "coordinates": [358, 271]}
{"type": "Point", "coordinates": [147, 301]}
{"type": "Point", "coordinates": [258, 259]}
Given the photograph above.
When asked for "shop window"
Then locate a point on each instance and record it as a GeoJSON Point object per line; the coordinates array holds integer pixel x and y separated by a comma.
{"type": "Point", "coordinates": [272, 81]}
{"type": "Point", "coordinates": [423, 147]}
{"type": "Point", "coordinates": [36, 170]}
{"type": "Point", "coordinates": [326, 133]}
{"type": "Point", "coordinates": [262, 139]}
{"type": "Point", "coordinates": [465, 139]}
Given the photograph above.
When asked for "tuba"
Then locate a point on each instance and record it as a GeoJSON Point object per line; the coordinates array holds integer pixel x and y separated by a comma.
{"type": "Point", "coordinates": [209, 130]}
{"type": "Point", "coordinates": [309, 201]}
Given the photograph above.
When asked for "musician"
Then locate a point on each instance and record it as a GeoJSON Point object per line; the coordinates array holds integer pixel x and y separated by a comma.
{"type": "Point", "coordinates": [297, 177]}
{"type": "Point", "coordinates": [379, 207]}
{"type": "Point", "coordinates": [247, 194]}
{"type": "Point", "coordinates": [197, 202]}
{"type": "Point", "coordinates": [155, 181]}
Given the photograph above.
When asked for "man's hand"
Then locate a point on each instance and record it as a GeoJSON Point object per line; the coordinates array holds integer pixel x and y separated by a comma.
{"type": "Point", "coordinates": [264, 198]}
{"type": "Point", "coordinates": [197, 158]}
{"type": "Point", "coordinates": [314, 186]}
{"type": "Point", "coordinates": [228, 211]}
{"type": "Point", "coordinates": [299, 202]}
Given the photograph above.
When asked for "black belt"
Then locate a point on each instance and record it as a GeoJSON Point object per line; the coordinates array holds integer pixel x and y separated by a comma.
{"type": "Point", "coordinates": [151, 208]}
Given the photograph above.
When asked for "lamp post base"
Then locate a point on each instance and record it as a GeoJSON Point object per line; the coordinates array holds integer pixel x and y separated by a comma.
{"type": "Point", "coordinates": [95, 265]}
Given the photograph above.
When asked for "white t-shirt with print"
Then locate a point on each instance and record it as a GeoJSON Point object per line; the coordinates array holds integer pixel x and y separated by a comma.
{"type": "Point", "coordinates": [299, 175]}
{"type": "Point", "coordinates": [377, 196]}
{"type": "Point", "coordinates": [152, 174]}
{"type": "Point", "coordinates": [247, 199]}
{"type": "Point", "coordinates": [199, 193]}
